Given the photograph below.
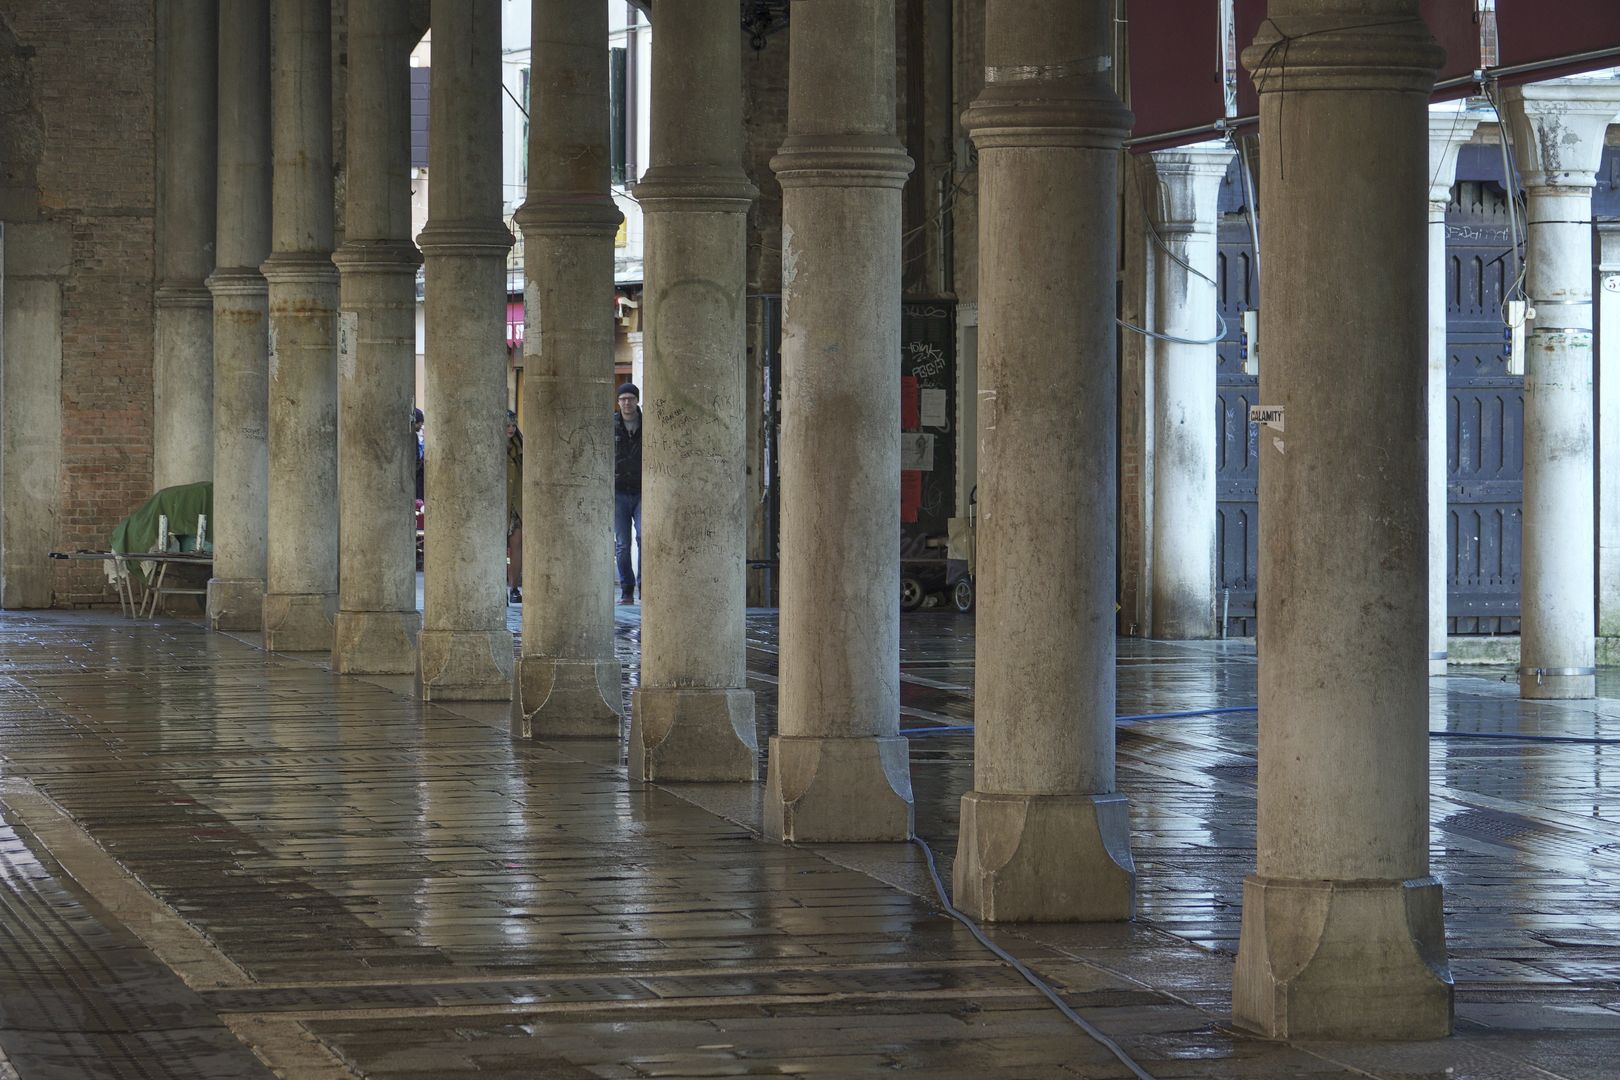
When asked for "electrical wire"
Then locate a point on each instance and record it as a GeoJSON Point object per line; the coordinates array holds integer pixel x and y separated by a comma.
{"type": "Point", "coordinates": [1029, 976]}
{"type": "Point", "coordinates": [1514, 291]}
{"type": "Point", "coordinates": [1158, 240]}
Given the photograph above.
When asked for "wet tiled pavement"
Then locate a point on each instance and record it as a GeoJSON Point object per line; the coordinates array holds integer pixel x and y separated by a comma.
{"type": "Point", "coordinates": [328, 878]}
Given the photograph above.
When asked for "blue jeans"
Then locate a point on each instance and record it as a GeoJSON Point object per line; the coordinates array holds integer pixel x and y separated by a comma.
{"type": "Point", "coordinates": [626, 508]}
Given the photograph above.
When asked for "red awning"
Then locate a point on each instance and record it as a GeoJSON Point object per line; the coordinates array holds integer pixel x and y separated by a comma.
{"type": "Point", "coordinates": [1538, 40]}
{"type": "Point", "coordinates": [1176, 55]}
{"type": "Point", "coordinates": [1176, 69]}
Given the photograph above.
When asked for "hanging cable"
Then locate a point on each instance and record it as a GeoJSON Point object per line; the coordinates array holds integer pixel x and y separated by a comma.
{"type": "Point", "coordinates": [1153, 231]}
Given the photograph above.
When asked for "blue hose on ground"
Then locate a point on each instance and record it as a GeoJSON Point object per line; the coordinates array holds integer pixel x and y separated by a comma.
{"type": "Point", "coordinates": [1029, 976]}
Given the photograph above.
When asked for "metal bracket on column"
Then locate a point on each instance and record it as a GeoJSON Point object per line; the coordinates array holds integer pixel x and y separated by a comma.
{"type": "Point", "coordinates": [1557, 672]}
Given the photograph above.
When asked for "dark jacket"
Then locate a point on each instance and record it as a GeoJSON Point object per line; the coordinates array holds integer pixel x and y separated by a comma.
{"type": "Point", "coordinates": [627, 455]}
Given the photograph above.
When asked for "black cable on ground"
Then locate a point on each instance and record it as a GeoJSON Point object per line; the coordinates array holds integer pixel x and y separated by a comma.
{"type": "Point", "coordinates": [1029, 976]}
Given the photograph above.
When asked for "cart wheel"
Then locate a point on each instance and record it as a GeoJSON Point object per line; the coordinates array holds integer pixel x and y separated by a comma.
{"type": "Point", "coordinates": [962, 595]}
{"type": "Point", "coordinates": [911, 594]}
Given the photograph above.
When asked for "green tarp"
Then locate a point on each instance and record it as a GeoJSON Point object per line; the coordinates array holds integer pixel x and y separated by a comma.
{"type": "Point", "coordinates": [182, 503]}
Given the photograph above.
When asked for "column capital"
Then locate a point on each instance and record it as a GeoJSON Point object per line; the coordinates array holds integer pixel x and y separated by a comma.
{"type": "Point", "coordinates": [182, 295]}
{"type": "Point", "coordinates": [843, 160]}
{"type": "Point", "coordinates": [299, 268]}
{"type": "Point", "coordinates": [476, 237]}
{"type": "Point", "coordinates": [377, 257]}
{"type": "Point", "coordinates": [1047, 106]}
{"type": "Point", "coordinates": [1558, 129]}
{"type": "Point", "coordinates": [696, 188]}
{"type": "Point", "coordinates": [237, 281]}
{"type": "Point", "coordinates": [1343, 50]}
{"type": "Point", "coordinates": [1447, 133]}
{"type": "Point", "coordinates": [1188, 187]}
{"type": "Point", "coordinates": [1608, 238]}
{"type": "Point", "coordinates": [568, 213]}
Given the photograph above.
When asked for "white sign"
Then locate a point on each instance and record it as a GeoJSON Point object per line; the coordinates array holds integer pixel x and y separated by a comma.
{"type": "Point", "coordinates": [933, 407]}
{"type": "Point", "coordinates": [1269, 415]}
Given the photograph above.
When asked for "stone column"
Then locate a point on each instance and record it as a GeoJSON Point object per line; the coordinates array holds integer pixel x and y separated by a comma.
{"type": "Point", "coordinates": [568, 678]}
{"type": "Point", "coordinates": [300, 599]}
{"type": "Point", "coordinates": [839, 769]}
{"type": "Point", "coordinates": [465, 649]}
{"type": "Point", "coordinates": [241, 319]}
{"type": "Point", "coordinates": [1447, 133]}
{"type": "Point", "coordinates": [377, 618]}
{"type": "Point", "coordinates": [1608, 412]}
{"type": "Point", "coordinates": [1342, 935]}
{"type": "Point", "coordinates": [1184, 435]}
{"type": "Point", "coordinates": [1044, 834]}
{"type": "Point", "coordinates": [37, 265]}
{"type": "Point", "coordinates": [183, 364]}
{"type": "Point", "coordinates": [1558, 130]}
{"type": "Point", "coordinates": [694, 713]}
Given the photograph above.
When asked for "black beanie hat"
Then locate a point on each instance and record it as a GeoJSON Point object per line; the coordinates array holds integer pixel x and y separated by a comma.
{"type": "Point", "coordinates": [629, 388]}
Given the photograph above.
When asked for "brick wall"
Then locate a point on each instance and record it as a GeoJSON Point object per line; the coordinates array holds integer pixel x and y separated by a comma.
{"type": "Point", "coordinates": [89, 67]}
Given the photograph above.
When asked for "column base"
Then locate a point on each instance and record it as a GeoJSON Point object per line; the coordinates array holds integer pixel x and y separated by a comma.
{"type": "Point", "coordinates": [830, 790]}
{"type": "Point", "coordinates": [693, 734]}
{"type": "Point", "coordinates": [1045, 858]}
{"type": "Point", "coordinates": [464, 665]}
{"type": "Point", "coordinates": [569, 698]}
{"type": "Point", "coordinates": [1557, 684]}
{"type": "Point", "coordinates": [375, 642]}
{"type": "Point", "coordinates": [235, 604]}
{"type": "Point", "coordinates": [1342, 960]}
{"type": "Point", "coordinates": [299, 622]}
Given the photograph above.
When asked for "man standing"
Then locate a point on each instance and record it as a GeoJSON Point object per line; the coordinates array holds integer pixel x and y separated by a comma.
{"type": "Point", "coordinates": [514, 510]}
{"type": "Point", "coordinates": [627, 486]}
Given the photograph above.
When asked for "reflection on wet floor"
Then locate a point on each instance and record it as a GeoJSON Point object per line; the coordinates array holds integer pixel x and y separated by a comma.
{"type": "Point", "coordinates": [401, 890]}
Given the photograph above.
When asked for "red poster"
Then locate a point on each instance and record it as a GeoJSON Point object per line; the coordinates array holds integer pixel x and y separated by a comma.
{"type": "Point", "coordinates": [910, 408]}
{"type": "Point", "coordinates": [910, 495]}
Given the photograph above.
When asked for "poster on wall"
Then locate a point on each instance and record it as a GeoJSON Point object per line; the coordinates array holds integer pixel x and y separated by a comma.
{"type": "Point", "coordinates": [927, 424]}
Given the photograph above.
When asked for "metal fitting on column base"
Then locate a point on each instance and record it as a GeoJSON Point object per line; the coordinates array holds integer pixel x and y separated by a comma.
{"type": "Point", "coordinates": [464, 665]}
{"type": "Point", "coordinates": [299, 622]}
{"type": "Point", "coordinates": [701, 733]}
{"type": "Point", "coordinates": [1332, 959]}
{"type": "Point", "coordinates": [568, 698]}
{"type": "Point", "coordinates": [1045, 858]}
{"type": "Point", "coordinates": [1557, 683]}
{"type": "Point", "coordinates": [838, 790]}
{"type": "Point", "coordinates": [236, 604]}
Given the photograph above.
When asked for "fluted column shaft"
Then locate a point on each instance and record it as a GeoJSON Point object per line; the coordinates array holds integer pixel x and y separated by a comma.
{"type": "Point", "coordinates": [465, 650]}
{"type": "Point", "coordinates": [838, 768]}
{"type": "Point", "coordinates": [241, 319]}
{"type": "Point", "coordinates": [1184, 439]}
{"type": "Point", "coordinates": [694, 713]}
{"type": "Point", "coordinates": [377, 620]}
{"type": "Point", "coordinates": [183, 365]}
{"type": "Point", "coordinates": [1342, 933]}
{"type": "Point", "coordinates": [1558, 131]}
{"type": "Point", "coordinates": [1447, 133]}
{"type": "Point", "coordinates": [300, 600]}
{"type": "Point", "coordinates": [1044, 836]}
{"type": "Point", "coordinates": [568, 678]}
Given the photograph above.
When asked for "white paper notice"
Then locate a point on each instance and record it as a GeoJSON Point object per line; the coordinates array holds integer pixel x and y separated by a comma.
{"type": "Point", "coordinates": [933, 408]}
{"type": "Point", "coordinates": [916, 451]}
